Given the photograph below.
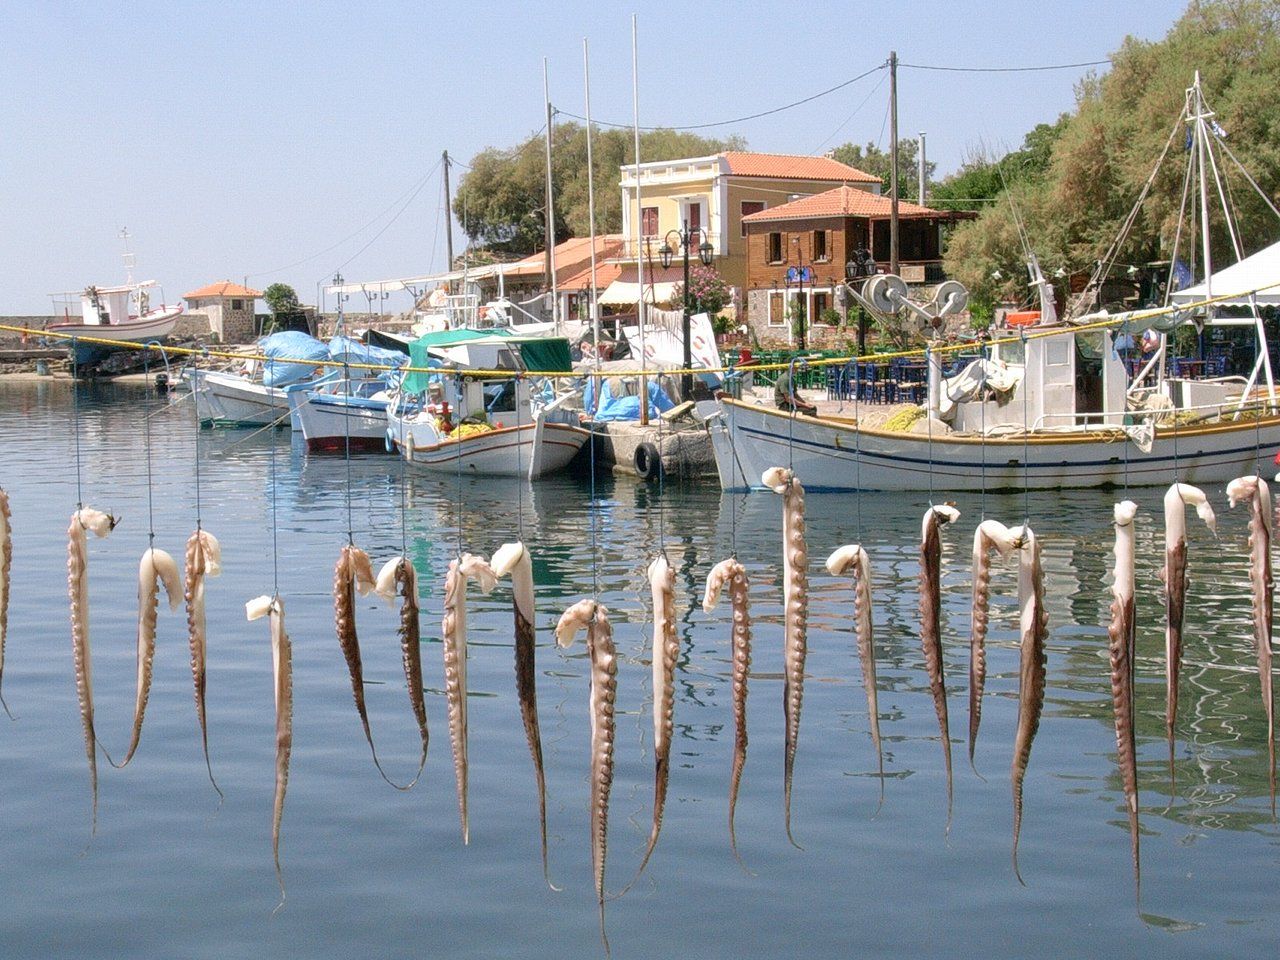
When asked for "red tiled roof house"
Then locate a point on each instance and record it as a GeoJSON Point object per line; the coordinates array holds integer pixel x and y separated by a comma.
{"type": "Point", "coordinates": [821, 233]}
{"type": "Point", "coordinates": [229, 308]}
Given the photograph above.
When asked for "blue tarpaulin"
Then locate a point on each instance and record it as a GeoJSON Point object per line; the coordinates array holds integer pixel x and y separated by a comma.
{"type": "Point", "coordinates": [293, 344]}
{"type": "Point", "coordinates": [347, 350]}
{"type": "Point", "coordinates": [624, 408]}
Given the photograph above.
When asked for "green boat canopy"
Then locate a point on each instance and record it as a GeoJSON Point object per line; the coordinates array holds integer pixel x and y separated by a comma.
{"type": "Point", "coordinates": [536, 353]}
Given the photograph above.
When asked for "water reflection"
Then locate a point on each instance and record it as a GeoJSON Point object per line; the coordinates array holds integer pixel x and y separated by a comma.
{"type": "Point", "coordinates": [1075, 838]}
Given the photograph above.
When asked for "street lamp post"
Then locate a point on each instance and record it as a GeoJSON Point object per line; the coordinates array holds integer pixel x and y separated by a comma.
{"type": "Point", "coordinates": [861, 266]}
{"type": "Point", "coordinates": [684, 239]}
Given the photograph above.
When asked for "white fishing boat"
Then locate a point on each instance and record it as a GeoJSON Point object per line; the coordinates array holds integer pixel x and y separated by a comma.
{"type": "Point", "coordinates": [1054, 407]}
{"type": "Point", "coordinates": [227, 399]}
{"type": "Point", "coordinates": [343, 414]}
{"type": "Point", "coordinates": [122, 313]}
{"type": "Point", "coordinates": [508, 427]}
{"type": "Point", "coordinates": [257, 394]}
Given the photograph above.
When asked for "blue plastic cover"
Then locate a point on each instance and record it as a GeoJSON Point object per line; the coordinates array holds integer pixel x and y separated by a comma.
{"type": "Point", "coordinates": [293, 344]}
{"type": "Point", "coordinates": [625, 408]}
{"type": "Point", "coordinates": [347, 350]}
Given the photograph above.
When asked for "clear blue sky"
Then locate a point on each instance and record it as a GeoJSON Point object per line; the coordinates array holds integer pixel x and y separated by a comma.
{"type": "Point", "coordinates": [240, 138]}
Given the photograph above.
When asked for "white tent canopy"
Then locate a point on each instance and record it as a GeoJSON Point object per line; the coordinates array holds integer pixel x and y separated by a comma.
{"type": "Point", "coordinates": [621, 293]}
{"type": "Point", "coordinates": [1259, 272]}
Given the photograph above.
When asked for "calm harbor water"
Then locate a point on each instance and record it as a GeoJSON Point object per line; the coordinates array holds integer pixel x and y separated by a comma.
{"type": "Point", "coordinates": [378, 873]}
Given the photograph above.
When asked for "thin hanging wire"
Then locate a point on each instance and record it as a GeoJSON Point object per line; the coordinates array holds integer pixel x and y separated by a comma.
{"type": "Point", "coordinates": [146, 433]}
{"type": "Point", "coordinates": [520, 461]}
{"type": "Point", "coordinates": [457, 456]}
{"type": "Point", "coordinates": [275, 524]}
{"type": "Point", "coordinates": [196, 381]}
{"type": "Point", "coordinates": [75, 407]}
{"type": "Point", "coordinates": [1026, 431]}
{"type": "Point", "coordinates": [733, 511]}
{"type": "Point", "coordinates": [662, 512]}
{"type": "Point", "coordinates": [982, 447]}
{"type": "Point", "coordinates": [857, 451]}
{"type": "Point", "coordinates": [593, 511]}
{"type": "Point", "coordinates": [791, 420]}
{"type": "Point", "coordinates": [928, 367]}
{"type": "Point", "coordinates": [346, 444]}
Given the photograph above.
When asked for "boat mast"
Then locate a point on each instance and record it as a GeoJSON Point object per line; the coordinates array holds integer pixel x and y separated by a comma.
{"type": "Point", "coordinates": [635, 127]}
{"type": "Point", "coordinates": [448, 212]}
{"type": "Point", "coordinates": [551, 210]}
{"type": "Point", "coordinates": [893, 161]}
{"type": "Point", "coordinates": [591, 203]}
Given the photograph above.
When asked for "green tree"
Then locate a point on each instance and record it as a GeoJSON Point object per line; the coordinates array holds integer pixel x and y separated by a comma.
{"type": "Point", "coordinates": [281, 298]}
{"type": "Point", "coordinates": [871, 159]}
{"type": "Point", "coordinates": [501, 200]}
{"type": "Point", "coordinates": [1094, 163]}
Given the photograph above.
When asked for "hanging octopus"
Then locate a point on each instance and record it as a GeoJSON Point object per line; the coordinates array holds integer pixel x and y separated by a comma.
{"type": "Point", "coordinates": [853, 560]}
{"type": "Point", "coordinates": [282, 669]}
{"type": "Point", "coordinates": [795, 593]}
{"type": "Point", "coordinates": [1174, 574]}
{"type": "Point", "coordinates": [990, 535]}
{"type": "Point", "coordinates": [6, 561]}
{"type": "Point", "coordinates": [203, 559]}
{"type": "Point", "coordinates": [1034, 620]}
{"type": "Point", "coordinates": [931, 621]}
{"type": "Point", "coordinates": [1255, 491]}
{"type": "Point", "coordinates": [398, 574]}
{"type": "Point", "coordinates": [1122, 647]}
{"type": "Point", "coordinates": [604, 693]}
{"type": "Point", "coordinates": [732, 573]}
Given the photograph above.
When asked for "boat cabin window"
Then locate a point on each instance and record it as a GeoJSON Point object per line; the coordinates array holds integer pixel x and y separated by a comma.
{"type": "Point", "coordinates": [1012, 353]}
{"type": "Point", "coordinates": [1057, 352]}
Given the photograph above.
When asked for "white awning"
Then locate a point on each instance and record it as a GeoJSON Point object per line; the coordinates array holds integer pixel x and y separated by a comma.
{"type": "Point", "coordinates": [621, 293]}
{"type": "Point", "coordinates": [416, 284]}
{"type": "Point", "coordinates": [1262, 270]}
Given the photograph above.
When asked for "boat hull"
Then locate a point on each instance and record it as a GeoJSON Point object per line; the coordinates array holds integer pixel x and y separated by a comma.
{"type": "Point", "coordinates": [228, 400]}
{"type": "Point", "coordinates": [330, 423]}
{"type": "Point", "coordinates": [834, 455]}
{"type": "Point", "coordinates": [156, 325]}
{"type": "Point", "coordinates": [530, 450]}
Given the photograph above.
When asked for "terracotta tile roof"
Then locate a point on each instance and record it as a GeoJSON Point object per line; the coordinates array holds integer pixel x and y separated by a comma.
{"type": "Point", "coordinates": [223, 288]}
{"type": "Point", "coordinates": [790, 167]}
{"type": "Point", "coordinates": [579, 282]}
{"type": "Point", "coordinates": [846, 201]}
{"type": "Point", "coordinates": [571, 256]}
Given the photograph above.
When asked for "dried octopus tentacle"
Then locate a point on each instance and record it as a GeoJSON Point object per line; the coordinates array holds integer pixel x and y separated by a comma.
{"type": "Point", "coordinates": [282, 668]}
{"type": "Point", "coordinates": [353, 573]}
{"type": "Point", "coordinates": [732, 573]}
{"type": "Point", "coordinates": [1255, 490]}
{"type": "Point", "coordinates": [155, 567]}
{"type": "Point", "coordinates": [513, 559]}
{"type": "Point", "coordinates": [454, 636]}
{"type": "Point", "coordinates": [604, 692]}
{"type": "Point", "coordinates": [795, 561]}
{"type": "Point", "coordinates": [930, 622]}
{"type": "Point", "coordinates": [203, 559]}
{"type": "Point", "coordinates": [1031, 668]}
{"type": "Point", "coordinates": [6, 563]}
{"type": "Point", "coordinates": [100, 524]}
{"type": "Point", "coordinates": [398, 577]}
{"type": "Point", "coordinates": [990, 534]}
{"type": "Point", "coordinates": [1122, 644]}
{"type": "Point", "coordinates": [1174, 574]}
{"type": "Point", "coordinates": [853, 560]}
{"type": "Point", "coordinates": [666, 647]}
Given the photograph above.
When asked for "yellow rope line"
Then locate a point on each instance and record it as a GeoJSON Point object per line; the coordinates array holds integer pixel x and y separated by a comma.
{"type": "Point", "coordinates": [1133, 317]}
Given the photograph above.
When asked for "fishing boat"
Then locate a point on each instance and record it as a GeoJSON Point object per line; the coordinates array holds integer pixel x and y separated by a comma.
{"type": "Point", "coordinates": [255, 395]}
{"type": "Point", "coordinates": [347, 409]}
{"type": "Point", "coordinates": [120, 313]}
{"type": "Point", "coordinates": [1055, 405]}
{"type": "Point", "coordinates": [486, 426]}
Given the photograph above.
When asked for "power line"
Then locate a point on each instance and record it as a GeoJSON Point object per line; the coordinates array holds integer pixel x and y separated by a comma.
{"type": "Point", "coordinates": [413, 192]}
{"type": "Point", "coordinates": [1035, 69]}
{"type": "Point", "coordinates": [753, 116]}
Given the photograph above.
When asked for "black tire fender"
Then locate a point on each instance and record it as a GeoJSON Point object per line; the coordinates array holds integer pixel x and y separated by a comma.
{"type": "Point", "coordinates": [647, 461]}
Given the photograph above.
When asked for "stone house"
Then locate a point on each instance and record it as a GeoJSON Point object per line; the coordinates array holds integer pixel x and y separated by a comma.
{"type": "Point", "coordinates": [797, 251]}
{"type": "Point", "coordinates": [228, 308]}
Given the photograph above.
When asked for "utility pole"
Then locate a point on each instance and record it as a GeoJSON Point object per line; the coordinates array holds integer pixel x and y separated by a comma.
{"type": "Point", "coordinates": [448, 211]}
{"type": "Point", "coordinates": [893, 161]}
{"type": "Point", "coordinates": [923, 175]}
